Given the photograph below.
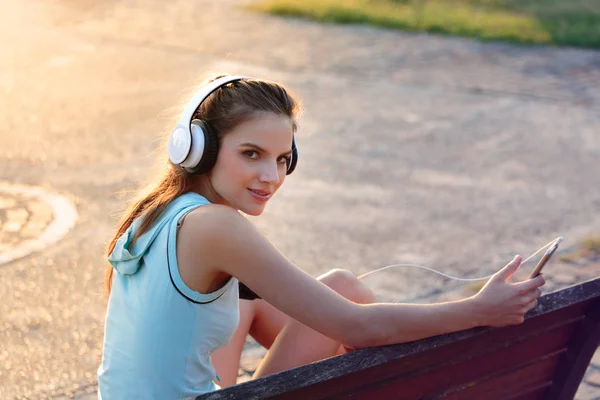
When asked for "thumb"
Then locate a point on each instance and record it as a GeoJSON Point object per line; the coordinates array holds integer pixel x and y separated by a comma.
{"type": "Point", "coordinates": [509, 269]}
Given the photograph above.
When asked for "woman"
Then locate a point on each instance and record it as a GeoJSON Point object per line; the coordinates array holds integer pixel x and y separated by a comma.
{"type": "Point", "coordinates": [175, 327]}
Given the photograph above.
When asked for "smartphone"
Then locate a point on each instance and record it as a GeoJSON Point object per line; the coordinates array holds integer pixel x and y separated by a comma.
{"type": "Point", "coordinates": [545, 258]}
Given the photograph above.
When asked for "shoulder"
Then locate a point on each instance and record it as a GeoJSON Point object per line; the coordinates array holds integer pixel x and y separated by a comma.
{"type": "Point", "coordinates": [215, 215]}
{"type": "Point", "coordinates": [213, 222]}
{"type": "Point", "coordinates": [221, 237]}
{"type": "Point", "coordinates": [206, 239]}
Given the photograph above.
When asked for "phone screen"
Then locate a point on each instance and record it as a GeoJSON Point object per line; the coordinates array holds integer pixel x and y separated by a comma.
{"type": "Point", "coordinates": [547, 255]}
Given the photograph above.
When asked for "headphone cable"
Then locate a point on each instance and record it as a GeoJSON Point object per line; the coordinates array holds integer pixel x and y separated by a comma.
{"type": "Point", "coordinates": [449, 276]}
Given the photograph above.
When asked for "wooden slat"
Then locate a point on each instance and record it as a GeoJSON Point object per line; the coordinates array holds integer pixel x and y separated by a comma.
{"type": "Point", "coordinates": [581, 349]}
{"type": "Point", "coordinates": [534, 393]}
{"type": "Point", "coordinates": [459, 371]}
{"type": "Point", "coordinates": [363, 367]}
{"type": "Point", "coordinates": [415, 364]}
{"type": "Point", "coordinates": [510, 383]}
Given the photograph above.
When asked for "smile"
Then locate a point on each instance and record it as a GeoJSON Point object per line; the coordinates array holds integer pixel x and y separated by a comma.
{"type": "Point", "coordinates": [260, 195]}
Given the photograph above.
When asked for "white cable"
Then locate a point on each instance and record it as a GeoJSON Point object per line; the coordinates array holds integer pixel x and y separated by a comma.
{"type": "Point", "coordinates": [453, 277]}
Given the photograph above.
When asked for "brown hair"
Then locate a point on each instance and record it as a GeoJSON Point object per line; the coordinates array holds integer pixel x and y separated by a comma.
{"type": "Point", "coordinates": [223, 110]}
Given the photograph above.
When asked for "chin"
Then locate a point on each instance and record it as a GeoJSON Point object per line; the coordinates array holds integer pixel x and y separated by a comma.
{"type": "Point", "coordinates": [252, 208]}
{"type": "Point", "coordinates": [254, 211]}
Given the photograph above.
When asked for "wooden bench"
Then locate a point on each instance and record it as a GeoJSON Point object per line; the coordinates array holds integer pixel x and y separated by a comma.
{"type": "Point", "coordinates": [543, 358]}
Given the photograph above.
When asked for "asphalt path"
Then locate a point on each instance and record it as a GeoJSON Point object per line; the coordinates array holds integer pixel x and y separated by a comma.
{"type": "Point", "coordinates": [413, 148]}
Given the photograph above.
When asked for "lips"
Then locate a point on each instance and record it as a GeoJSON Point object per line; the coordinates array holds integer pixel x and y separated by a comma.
{"type": "Point", "coordinates": [259, 194]}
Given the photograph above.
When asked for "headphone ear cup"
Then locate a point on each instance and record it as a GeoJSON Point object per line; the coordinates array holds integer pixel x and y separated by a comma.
{"type": "Point", "coordinates": [291, 165]}
{"type": "Point", "coordinates": [201, 130]}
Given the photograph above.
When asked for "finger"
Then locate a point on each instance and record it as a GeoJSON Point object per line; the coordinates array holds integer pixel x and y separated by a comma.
{"type": "Point", "coordinates": [509, 269]}
{"type": "Point", "coordinates": [530, 296]}
{"type": "Point", "coordinates": [531, 284]}
{"type": "Point", "coordinates": [531, 305]}
{"type": "Point", "coordinates": [535, 294]}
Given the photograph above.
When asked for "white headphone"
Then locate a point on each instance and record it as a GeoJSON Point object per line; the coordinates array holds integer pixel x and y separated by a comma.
{"type": "Point", "coordinates": [190, 144]}
{"type": "Point", "coordinates": [194, 146]}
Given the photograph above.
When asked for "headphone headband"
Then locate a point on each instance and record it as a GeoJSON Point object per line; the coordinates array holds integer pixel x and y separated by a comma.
{"type": "Point", "coordinates": [194, 103]}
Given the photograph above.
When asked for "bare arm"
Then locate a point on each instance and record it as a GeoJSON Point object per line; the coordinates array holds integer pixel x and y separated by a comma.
{"type": "Point", "coordinates": [499, 303]}
{"type": "Point", "coordinates": [399, 323]}
{"type": "Point", "coordinates": [228, 243]}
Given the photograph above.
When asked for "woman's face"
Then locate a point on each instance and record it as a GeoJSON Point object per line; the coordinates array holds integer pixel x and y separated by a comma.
{"type": "Point", "coordinates": [251, 163]}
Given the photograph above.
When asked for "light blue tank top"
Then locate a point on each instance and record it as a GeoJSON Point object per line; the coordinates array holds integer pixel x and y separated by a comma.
{"type": "Point", "coordinates": [159, 334]}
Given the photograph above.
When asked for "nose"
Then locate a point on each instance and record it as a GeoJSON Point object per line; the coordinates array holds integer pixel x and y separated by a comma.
{"type": "Point", "coordinates": [269, 172]}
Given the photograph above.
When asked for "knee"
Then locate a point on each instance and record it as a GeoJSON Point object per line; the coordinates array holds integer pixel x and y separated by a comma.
{"type": "Point", "coordinates": [338, 278]}
{"type": "Point", "coordinates": [348, 285]}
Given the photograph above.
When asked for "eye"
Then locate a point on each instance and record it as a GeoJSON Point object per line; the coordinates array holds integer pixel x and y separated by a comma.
{"type": "Point", "coordinates": [283, 159]}
{"type": "Point", "coordinates": [251, 154]}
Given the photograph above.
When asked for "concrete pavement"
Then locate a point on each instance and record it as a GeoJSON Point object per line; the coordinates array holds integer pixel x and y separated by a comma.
{"type": "Point", "coordinates": [414, 148]}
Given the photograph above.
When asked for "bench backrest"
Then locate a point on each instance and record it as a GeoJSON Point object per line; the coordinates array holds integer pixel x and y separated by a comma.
{"type": "Point", "coordinates": [543, 358]}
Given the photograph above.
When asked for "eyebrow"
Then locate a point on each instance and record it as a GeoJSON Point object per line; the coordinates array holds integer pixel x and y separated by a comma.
{"type": "Point", "coordinates": [257, 147]}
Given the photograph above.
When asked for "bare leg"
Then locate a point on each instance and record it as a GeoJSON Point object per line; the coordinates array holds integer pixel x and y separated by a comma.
{"type": "Point", "coordinates": [268, 323]}
{"type": "Point", "coordinates": [257, 318]}
{"type": "Point", "coordinates": [298, 344]}
{"type": "Point", "coordinates": [264, 323]}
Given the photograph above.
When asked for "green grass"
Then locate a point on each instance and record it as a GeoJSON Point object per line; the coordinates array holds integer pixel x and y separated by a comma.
{"type": "Point", "coordinates": [587, 248]}
{"type": "Point", "coordinates": [591, 244]}
{"type": "Point", "coordinates": [560, 22]}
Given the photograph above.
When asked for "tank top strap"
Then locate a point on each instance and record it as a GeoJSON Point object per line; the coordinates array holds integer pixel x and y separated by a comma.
{"type": "Point", "coordinates": [176, 280]}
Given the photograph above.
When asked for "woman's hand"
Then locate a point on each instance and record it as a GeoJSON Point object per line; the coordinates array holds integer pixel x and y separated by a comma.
{"type": "Point", "coordinates": [501, 303]}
